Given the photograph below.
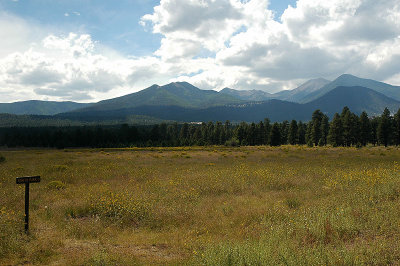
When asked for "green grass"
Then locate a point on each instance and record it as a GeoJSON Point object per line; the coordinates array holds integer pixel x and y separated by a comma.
{"type": "Point", "coordinates": [211, 206]}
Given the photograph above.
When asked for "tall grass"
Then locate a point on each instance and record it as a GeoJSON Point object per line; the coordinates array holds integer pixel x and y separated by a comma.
{"type": "Point", "coordinates": [290, 205]}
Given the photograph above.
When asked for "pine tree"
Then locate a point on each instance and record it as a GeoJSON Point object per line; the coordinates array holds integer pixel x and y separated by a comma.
{"type": "Point", "coordinates": [267, 130]}
{"type": "Point", "coordinates": [384, 128]}
{"type": "Point", "coordinates": [365, 129]}
{"type": "Point", "coordinates": [374, 131]}
{"type": "Point", "coordinates": [217, 133]}
{"type": "Point", "coordinates": [293, 137]}
{"type": "Point", "coordinates": [184, 134]}
{"type": "Point", "coordinates": [324, 131]}
{"type": "Point", "coordinates": [284, 132]}
{"type": "Point", "coordinates": [275, 136]}
{"type": "Point", "coordinates": [335, 136]}
{"type": "Point", "coordinates": [228, 130]}
{"type": "Point", "coordinates": [346, 123]}
{"type": "Point", "coordinates": [396, 134]}
{"type": "Point", "coordinates": [301, 133]}
{"type": "Point", "coordinates": [308, 136]}
{"type": "Point", "coordinates": [316, 126]}
{"type": "Point", "coordinates": [260, 133]}
{"type": "Point", "coordinates": [241, 132]}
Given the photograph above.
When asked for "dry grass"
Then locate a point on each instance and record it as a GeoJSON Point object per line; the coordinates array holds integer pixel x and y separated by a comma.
{"type": "Point", "coordinates": [213, 206]}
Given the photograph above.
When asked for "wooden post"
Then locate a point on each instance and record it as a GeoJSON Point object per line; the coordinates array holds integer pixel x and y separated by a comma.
{"type": "Point", "coordinates": [27, 180]}
{"type": "Point", "coordinates": [26, 207]}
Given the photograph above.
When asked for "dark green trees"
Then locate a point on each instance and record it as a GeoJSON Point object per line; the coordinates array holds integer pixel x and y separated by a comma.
{"type": "Point", "coordinates": [316, 132]}
{"type": "Point", "coordinates": [335, 136]}
{"type": "Point", "coordinates": [346, 129]}
{"type": "Point", "coordinates": [293, 137]}
{"type": "Point", "coordinates": [275, 138]}
{"type": "Point", "coordinates": [396, 128]}
{"type": "Point", "coordinates": [384, 130]}
{"type": "Point", "coordinates": [365, 129]}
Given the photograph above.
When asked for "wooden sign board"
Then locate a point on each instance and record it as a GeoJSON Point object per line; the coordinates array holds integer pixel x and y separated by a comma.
{"type": "Point", "coordinates": [28, 179]}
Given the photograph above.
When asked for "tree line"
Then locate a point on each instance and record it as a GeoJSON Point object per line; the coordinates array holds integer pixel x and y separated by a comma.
{"type": "Point", "coordinates": [346, 129]}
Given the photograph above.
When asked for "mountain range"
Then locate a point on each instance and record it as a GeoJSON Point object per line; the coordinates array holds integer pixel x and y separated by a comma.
{"type": "Point", "coordinates": [40, 107]}
{"type": "Point", "coordinates": [181, 101]}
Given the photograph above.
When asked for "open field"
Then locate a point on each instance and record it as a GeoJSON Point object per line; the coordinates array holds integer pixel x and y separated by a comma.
{"type": "Point", "coordinates": [290, 205]}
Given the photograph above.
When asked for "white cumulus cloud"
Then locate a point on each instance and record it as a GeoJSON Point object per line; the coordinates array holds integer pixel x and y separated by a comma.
{"type": "Point", "coordinates": [210, 43]}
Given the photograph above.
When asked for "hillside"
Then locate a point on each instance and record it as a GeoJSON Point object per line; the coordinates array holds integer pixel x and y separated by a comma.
{"type": "Point", "coordinates": [180, 94]}
{"type": "Point", "coordinates": [276, 110]}
{"type": "Point", "coordinates": [39, 107]}
{"type": "Point", "coordinates": [248, 95]}
{"type": "Point", "coordinates": [347, 80]}
{"type": "Point", "coordinates": [357, 98]}
{"type": "Point", "coordinates": [298, 94]}
{"type": "Point", "coordinates": [295, 95]}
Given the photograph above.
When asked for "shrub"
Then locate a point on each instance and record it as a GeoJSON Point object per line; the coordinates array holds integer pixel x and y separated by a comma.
{"type": "Point", "coordinates": [293, 203]}
{"type": "Point", "coordinates": [2, 158]}
{"type": "Point", "coordinates": [233, 142]}
{"type": "Point", "coordinates": [60, 168]}
{"type": "Point", "coordinates": [56, 185]}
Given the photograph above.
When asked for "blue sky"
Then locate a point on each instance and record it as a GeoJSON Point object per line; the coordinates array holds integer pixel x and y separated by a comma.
{"type": "Point", "coordinates": [89, 50]}
{"type": "Point", "coordinates": [113, 23]}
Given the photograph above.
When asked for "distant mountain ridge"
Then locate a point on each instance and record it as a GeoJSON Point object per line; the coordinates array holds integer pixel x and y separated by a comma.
{"type": "Point", "coordinates": [298, 94]}
{"type": "Point", "coordinates": [181, 101]}
{"type": "Point", "coordinates": [295, 95]}
{"type": "Point", "coordinates": [35, 107]}
{"type": "Point", "coordinates": [348, 80]}
{"type": "Point", "coordinates": [248, 95]}
{"type": "Point", "coordinates": [357, 98]}
{"type": "Point", "coordinates": [181, 94]}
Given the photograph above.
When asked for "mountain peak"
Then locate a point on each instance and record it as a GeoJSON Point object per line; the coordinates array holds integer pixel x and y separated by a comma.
{"type": "Point", "coordinates": [345, 77]}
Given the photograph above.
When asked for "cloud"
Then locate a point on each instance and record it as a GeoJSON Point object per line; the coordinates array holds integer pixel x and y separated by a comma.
{"type": "Point", "coordinates": [317, 38]}
{"type": "Point", "coordinates": [72, 67]}
{"type": "Point", "coordinates": [210, 43]}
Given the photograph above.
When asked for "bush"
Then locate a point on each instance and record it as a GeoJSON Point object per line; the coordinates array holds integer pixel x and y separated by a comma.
{"type": "Point", "coordinates": [293, 203]}
{"type": "Point", "coordinates": [56, 185]}
{"type": "Point", "coordinates": [2, 158]}
{"type": "Point", "coordinates": [233, 142]}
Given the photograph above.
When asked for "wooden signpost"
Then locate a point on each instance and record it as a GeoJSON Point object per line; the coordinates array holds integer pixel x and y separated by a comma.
{"type": "Point", "coordinates": [27, 180]}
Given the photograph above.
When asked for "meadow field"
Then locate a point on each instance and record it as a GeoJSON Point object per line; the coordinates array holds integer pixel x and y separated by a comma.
{"type": "Point", "coordinates": [289, 205]}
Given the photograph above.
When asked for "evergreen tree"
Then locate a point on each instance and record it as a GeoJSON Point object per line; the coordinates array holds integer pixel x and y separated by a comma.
{"type": "Point", "coordinates": [184, 134]}
{"type": "Point", "coordinates": [275, 136]}
{"type": "Point", "coordinates": [374, 128]}
{"type": "Point", "coordinates": [227, 128]}
{"type": "Point", "coordinates": [316, 126]}
{"type": "Point", "coordinates": [384, 128]}
{"type": "Point", "coordinates": [346, 123]}
{"type": "Point", "coordinates": [210, 133]}
{"type": "Point", "coordinates": [308, 138]}
{"type": "Point", "coordinates": [335, 136]}
{"type": "Point", "coordinates": [324, 131]}
{"type": "Point", "coordinates": [293, 130]}
{"type": "Point", "coordinates": [260, 137]}
{"type": "Point", "coordinates": [365, 129]}
{"type": "Point", "coordinates": [251, 134]}
{"type": "Point", "coordinates": [284, 132]}
{"type": "Point", "coordinates": [241, 132]}
{"type": "Point", "coordinates": [267, 130]}
{"type": "Point", "coordinates": [301, 133]}
{"type": "Point", "coordinates": [217, 139]}
{"type": "Point", "coordinates": [396, 135]}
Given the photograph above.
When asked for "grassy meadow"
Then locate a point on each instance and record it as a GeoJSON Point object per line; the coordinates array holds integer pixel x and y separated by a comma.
{"type": "Point", "coordinates": [290, 205]}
